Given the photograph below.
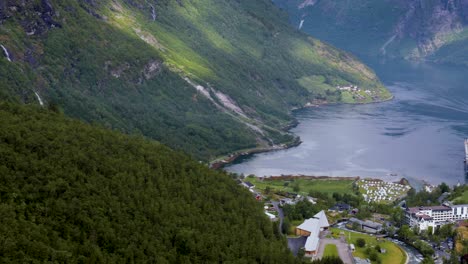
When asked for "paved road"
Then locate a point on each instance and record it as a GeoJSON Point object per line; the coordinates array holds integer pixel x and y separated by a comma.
{"type": "Point", "coordinates": [295, 244]}
{"type": "Point", "coordinates": [343, 250]}
{"type": "Point", "coordinates": [280, 215]}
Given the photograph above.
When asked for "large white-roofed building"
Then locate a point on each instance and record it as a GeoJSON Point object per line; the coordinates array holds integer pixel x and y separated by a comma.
{"type": "Point", "coordinates": [311, 227]}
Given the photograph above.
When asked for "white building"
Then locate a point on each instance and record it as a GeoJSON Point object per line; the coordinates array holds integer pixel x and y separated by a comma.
{"type": "Point", "coordinates": [460, 212]}
{"type": "Point", "coordinates": [271, 216]}
{"type": "Point", "coordinates": [426, 216]}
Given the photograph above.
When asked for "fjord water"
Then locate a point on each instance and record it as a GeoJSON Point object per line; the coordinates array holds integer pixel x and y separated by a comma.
{"type": "Point", "coordinates": [418, 135]}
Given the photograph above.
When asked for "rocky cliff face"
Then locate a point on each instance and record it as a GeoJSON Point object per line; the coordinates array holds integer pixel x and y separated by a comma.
{"type": "Point", "coordinates": [413, 29]}
{"type": "Point", "coordinates": [36, 17]}
{"type": "Point", "coordinates": [431, 24]}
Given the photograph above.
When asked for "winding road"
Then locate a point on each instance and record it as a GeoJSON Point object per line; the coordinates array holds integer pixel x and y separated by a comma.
{"type": "Point", "coordinates": [280, 215]}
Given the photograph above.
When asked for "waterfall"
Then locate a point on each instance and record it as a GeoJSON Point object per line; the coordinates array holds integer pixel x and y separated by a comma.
{"type": "Point", "coordinates": [153, 12]}
{"type": "Point", "coordinates": [383, 49]}
{"type": "Point", "coordinates": [7, 55]}
{"type": "Point", "coordinates": [39, 99]}
{"type": "Point", "coordinates": [301, 24]}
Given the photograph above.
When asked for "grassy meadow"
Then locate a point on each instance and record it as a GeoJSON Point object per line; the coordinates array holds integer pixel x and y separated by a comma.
{"type": "Point", "coordinates": [305, 185]}
{"type": "Point", "coordinates": [393, 255]}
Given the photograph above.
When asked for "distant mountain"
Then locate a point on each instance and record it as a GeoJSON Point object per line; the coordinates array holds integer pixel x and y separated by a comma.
{"type": "Point", "coordinates": [74, 193]}
{"type": "Point", "coordinates": [411, 29]}
{"type": "Point", "coordinates": [204, 76]}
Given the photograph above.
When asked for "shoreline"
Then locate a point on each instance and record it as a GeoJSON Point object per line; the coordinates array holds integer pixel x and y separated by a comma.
{"type": "Point", "coordinates": [309, 177]}
{"type": "Point", "coordinates": [221, 162]}
{"type": "Point", "coordinates": [229, 159]}
{"type": "Point", "coordinates": [402, 180]}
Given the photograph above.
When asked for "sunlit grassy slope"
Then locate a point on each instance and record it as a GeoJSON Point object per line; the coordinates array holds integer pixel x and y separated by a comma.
{"type": "Point", "coordinates": [109, 62]}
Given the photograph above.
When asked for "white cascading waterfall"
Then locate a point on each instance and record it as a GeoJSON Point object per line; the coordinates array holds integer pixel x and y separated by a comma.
{"type": "Point", "coordinates": [384, 46]}
{"type": "Point", "coordinates": [301, 24]}
{"type": "Point", "coordinates": [5, 51]}
{"type": "Point", "coordinates": [153, 12]}
{"type": "Point", "coordinates": [39, 99]}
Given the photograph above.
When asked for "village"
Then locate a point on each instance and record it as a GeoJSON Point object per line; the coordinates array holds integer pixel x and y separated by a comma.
{"type": "Point", "coordinates": [356, 91]}
{"type": "Point", "coordinates": [338, 221]}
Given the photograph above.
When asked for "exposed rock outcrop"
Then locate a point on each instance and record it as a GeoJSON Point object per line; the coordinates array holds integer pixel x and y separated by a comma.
{"type": "Point", "coordinates": [36, 17]}
{"type": "Point", "coordinates": [412, 28]}
{"type": "Point", "coordinates": [152, 69]}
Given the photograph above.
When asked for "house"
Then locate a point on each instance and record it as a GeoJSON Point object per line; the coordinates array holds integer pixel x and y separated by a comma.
{"type": "Point", "coordinates": [312, 200]}
{"type": "Point", "coordinates": [340, 207]}
{"type": "Point", "coordinates": [367, 226]}
{"type": "Point", "coordinates": [311, 228]}
{"type": "Point", "coordinates": [271, 216]}
{"type": "Point", "coordinates": [287, 201]}
{"type": "Point", "coordinates": [248, 184]}
{"type": "Point", "coordinates": [443, 197]}
{"type": "Point", "coordinates": [258, 197]}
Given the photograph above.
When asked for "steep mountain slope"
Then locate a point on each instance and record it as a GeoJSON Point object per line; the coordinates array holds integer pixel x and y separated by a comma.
{"type": "Point", "coordinates": [73, 193]}
{"type": "Point", "coordinates": [205, 76]}
{"type": "Point", "coordinates": [413, 29]}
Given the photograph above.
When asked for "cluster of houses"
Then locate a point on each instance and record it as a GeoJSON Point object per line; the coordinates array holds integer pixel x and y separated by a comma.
{"type": "Point", "coordinates": [297, 198]}
{"type": "Point", "coordinates": [354, 89]}
{"type": "Point", "coordinates": [311, 228]}
{"type": "Point", "coordinates": [350, 88]}
{"type": "Point", "coordinates": [250, 186]}
{"type": "Point", "coordinates": [380, 191]}
{"type": "Point", "coordinates": [424, 217]}
{"type": "Point", "coordinates": [258, 196]}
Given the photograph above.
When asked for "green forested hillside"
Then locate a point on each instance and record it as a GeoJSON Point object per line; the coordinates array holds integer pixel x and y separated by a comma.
{"type": "Point", "coordinates": [204, 76]}
{"type": "Point", "coordinates": [73, 193]}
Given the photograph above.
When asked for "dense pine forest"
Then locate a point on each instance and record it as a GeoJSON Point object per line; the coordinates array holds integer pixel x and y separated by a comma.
{"type": "Point", "coordinates": [74, 193]}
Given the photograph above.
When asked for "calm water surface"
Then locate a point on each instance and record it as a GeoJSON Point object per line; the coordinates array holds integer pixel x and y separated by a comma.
{"type": "Point", "coordinates": [418, 135]}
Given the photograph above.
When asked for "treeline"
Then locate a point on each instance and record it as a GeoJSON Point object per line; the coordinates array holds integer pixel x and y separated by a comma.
{"type": "Point", "coordinates": [73, 193]}
{"type": "Point", "coordinates": [423, 198]}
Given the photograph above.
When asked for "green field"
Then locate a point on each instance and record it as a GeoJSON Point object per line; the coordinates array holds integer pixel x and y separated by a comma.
{"type": "Point", "coordinates": [462, 199]}
{"type": "Point", "coordinates": [393, 255]}
{"type": "Point", "coordinates": [330, 251]}
{"type": "Point", "coordinates": [305, 185]}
